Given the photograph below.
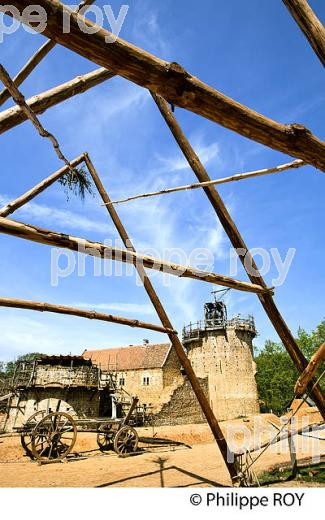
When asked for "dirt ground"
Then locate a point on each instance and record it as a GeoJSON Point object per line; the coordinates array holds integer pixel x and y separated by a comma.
{"type": "Point", "coordinates": [196, 463]}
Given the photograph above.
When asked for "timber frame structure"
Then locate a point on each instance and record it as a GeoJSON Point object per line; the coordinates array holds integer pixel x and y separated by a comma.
{"type": "Point", "coordinates": [169, 84]}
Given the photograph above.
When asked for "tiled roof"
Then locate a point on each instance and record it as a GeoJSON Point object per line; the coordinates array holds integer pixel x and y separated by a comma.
{"type": "Point", "coordinates": [130, 358]}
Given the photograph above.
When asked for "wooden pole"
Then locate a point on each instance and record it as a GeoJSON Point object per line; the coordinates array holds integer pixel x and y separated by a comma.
{"type": "Point", "coordinates": [310, 25]}
{"type": "Point", "coordinates": [38, 104]}
{"type": "Point", "coordinates": [314, 364]}
{"type": "Point", "coordinates": [35, 60]}
{"type": "Point", "coordinates": [176, 85]}
{"type": "Point", "coordinates": [81, 313]}
{"type": "Point", "coordinates": [177, 345]}
{"type": "Point", "coordinates": [28, 68]}
{"type": "Point", "coordinates": [43, 236]}
{"type": "Point", "coordinates": [239, 244]}
{"type": "Point", "coordinates": [39, 188]}
{"type": "Point", "coordinates": [232, 178]}
{"type": "Point", "coordinates": [293, 452]}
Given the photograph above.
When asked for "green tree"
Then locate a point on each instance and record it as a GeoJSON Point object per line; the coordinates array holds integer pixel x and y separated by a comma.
{"type": "Point", "coordinates": [276, 374]}
{"type": "Point", "coordinates": [10, 367]}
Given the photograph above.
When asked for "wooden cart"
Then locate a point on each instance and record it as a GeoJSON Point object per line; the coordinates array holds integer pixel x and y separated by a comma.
{"type": "Point", "coordinates": [51, 436]}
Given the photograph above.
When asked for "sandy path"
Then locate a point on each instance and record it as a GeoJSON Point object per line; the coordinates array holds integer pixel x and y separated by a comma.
{"type": "Point", "coordinates": [199, 466]}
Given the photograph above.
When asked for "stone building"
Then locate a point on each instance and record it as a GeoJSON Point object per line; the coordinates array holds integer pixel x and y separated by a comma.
{"type": "Point", "coordinates": [100, 382]}
{"type": "Point", "coordinates": [222, 351]}
{"type": "Point", "coordinates": [67, 383]}
{"type": "Point", "coordinates": [147, 371]}
{"type": "Point", "coordinates": [221, 354]}
{"type": "Point", "coordinates": [153, 373]}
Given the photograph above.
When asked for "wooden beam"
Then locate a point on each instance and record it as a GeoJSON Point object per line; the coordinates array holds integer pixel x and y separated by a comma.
{"type": "Point", "coordinates": [239, 244]}
{"type": "Point", "coordinates": [39, 188]}
{"type": "Point", "coordinates": [306, 377]}
{"type": "Point", "coordinates": [80, 245]}
{"type": "Point", "coordinates": [81, 313]}
{"type": "Point", "coordinates": [177, 345]}
{"type": "Point", "coordinates": [310, 25]}
{"type": "Point", "coordinates": [35, 60]}
{"type": "Point", "coordinates": [176, 85]}
{"type": "Point", "coordinates": [15, 116]}
{"type": "Point", "coordinates": [232, 178]}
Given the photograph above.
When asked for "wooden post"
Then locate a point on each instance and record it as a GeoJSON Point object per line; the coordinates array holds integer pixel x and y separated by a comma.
{"type": "Point", "coordinates": [175, 84]}
{"type": "Point", "coordinates": [15, 116]}
{"type": "Point", "coordinates": [305, 378]}
{"type": "Point", "coordinates": [81, 313]}
{"type": "Point", "coordinates": [177, 345]}
{"type": "Point", "coordinates": [52, 238]}
{"type": "Point", "coordinates": [35, 60]}
{"type": "Point", "coordinates": [39, 188]}
{"type": "Point", "coordinates": [239, 244]}
{"type": "Point", "coordinates": [310, 25]}
{"type": "Point", "coordinates": [293, 452]}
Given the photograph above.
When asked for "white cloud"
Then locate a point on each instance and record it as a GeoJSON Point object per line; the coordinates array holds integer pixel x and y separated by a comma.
{"type": "Point", "coordinates": [211, 234]}
{"type": "Point", "coordinates": [116, 101]}
{"type": "Point", "coordinates": [147, 29]}
{"type": "Point", "coordinates": [136, 308]}
{"type": "Point", "coordinates": [47, 215]}
{"type": "Point", "coordinates": [21, 334]}
{"type": "Point", "coordinates": [133, 97]}
{"type": "Point", "coordinates": [178, 162]}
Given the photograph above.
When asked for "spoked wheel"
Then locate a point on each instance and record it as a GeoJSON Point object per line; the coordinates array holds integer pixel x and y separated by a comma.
{"type": "Point", "coordinates": [126, 441]}
{"type": "Point", "coordinates": [53, 437]}
{"type": "Point", "coordinates": [105, 439]}
{"type": "Point", "coordinates": [26, 438]}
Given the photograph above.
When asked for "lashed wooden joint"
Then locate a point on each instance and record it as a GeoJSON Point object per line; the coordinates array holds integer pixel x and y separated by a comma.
{"type": "Point", "coordinates": [177, 75]}
{"type": "Point", "coordinates": [297, 130]}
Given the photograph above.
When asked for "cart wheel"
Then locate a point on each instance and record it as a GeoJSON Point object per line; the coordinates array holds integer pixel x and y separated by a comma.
{"type": "Point", "coordinates": [26, 438]}
{"type": "Point", "coordinates": [105, 440]}
{"type": "Point", "coordinates": [126, 441]}
{"type": "Point", "coordinates": [53, 437]}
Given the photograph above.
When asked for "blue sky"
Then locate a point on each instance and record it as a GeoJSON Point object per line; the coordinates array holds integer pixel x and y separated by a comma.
{"type": "Point", "coordinates": [252, 51]}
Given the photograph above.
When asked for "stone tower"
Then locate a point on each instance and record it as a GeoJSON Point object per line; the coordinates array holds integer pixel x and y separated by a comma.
{"type": "Point", "coordinates": [222, 351]}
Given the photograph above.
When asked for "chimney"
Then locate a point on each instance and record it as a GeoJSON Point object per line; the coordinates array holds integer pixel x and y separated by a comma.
{"type": "Point", "coordinates": [145, 342]}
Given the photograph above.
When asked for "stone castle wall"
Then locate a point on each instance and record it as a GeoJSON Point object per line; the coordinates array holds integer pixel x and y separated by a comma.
{"type": "Point", "coordinates": [225, 357]}
{"type": "Point", "coordinates": [78, 402]}
{"type": "Point", "coordinates": [183, 406]}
